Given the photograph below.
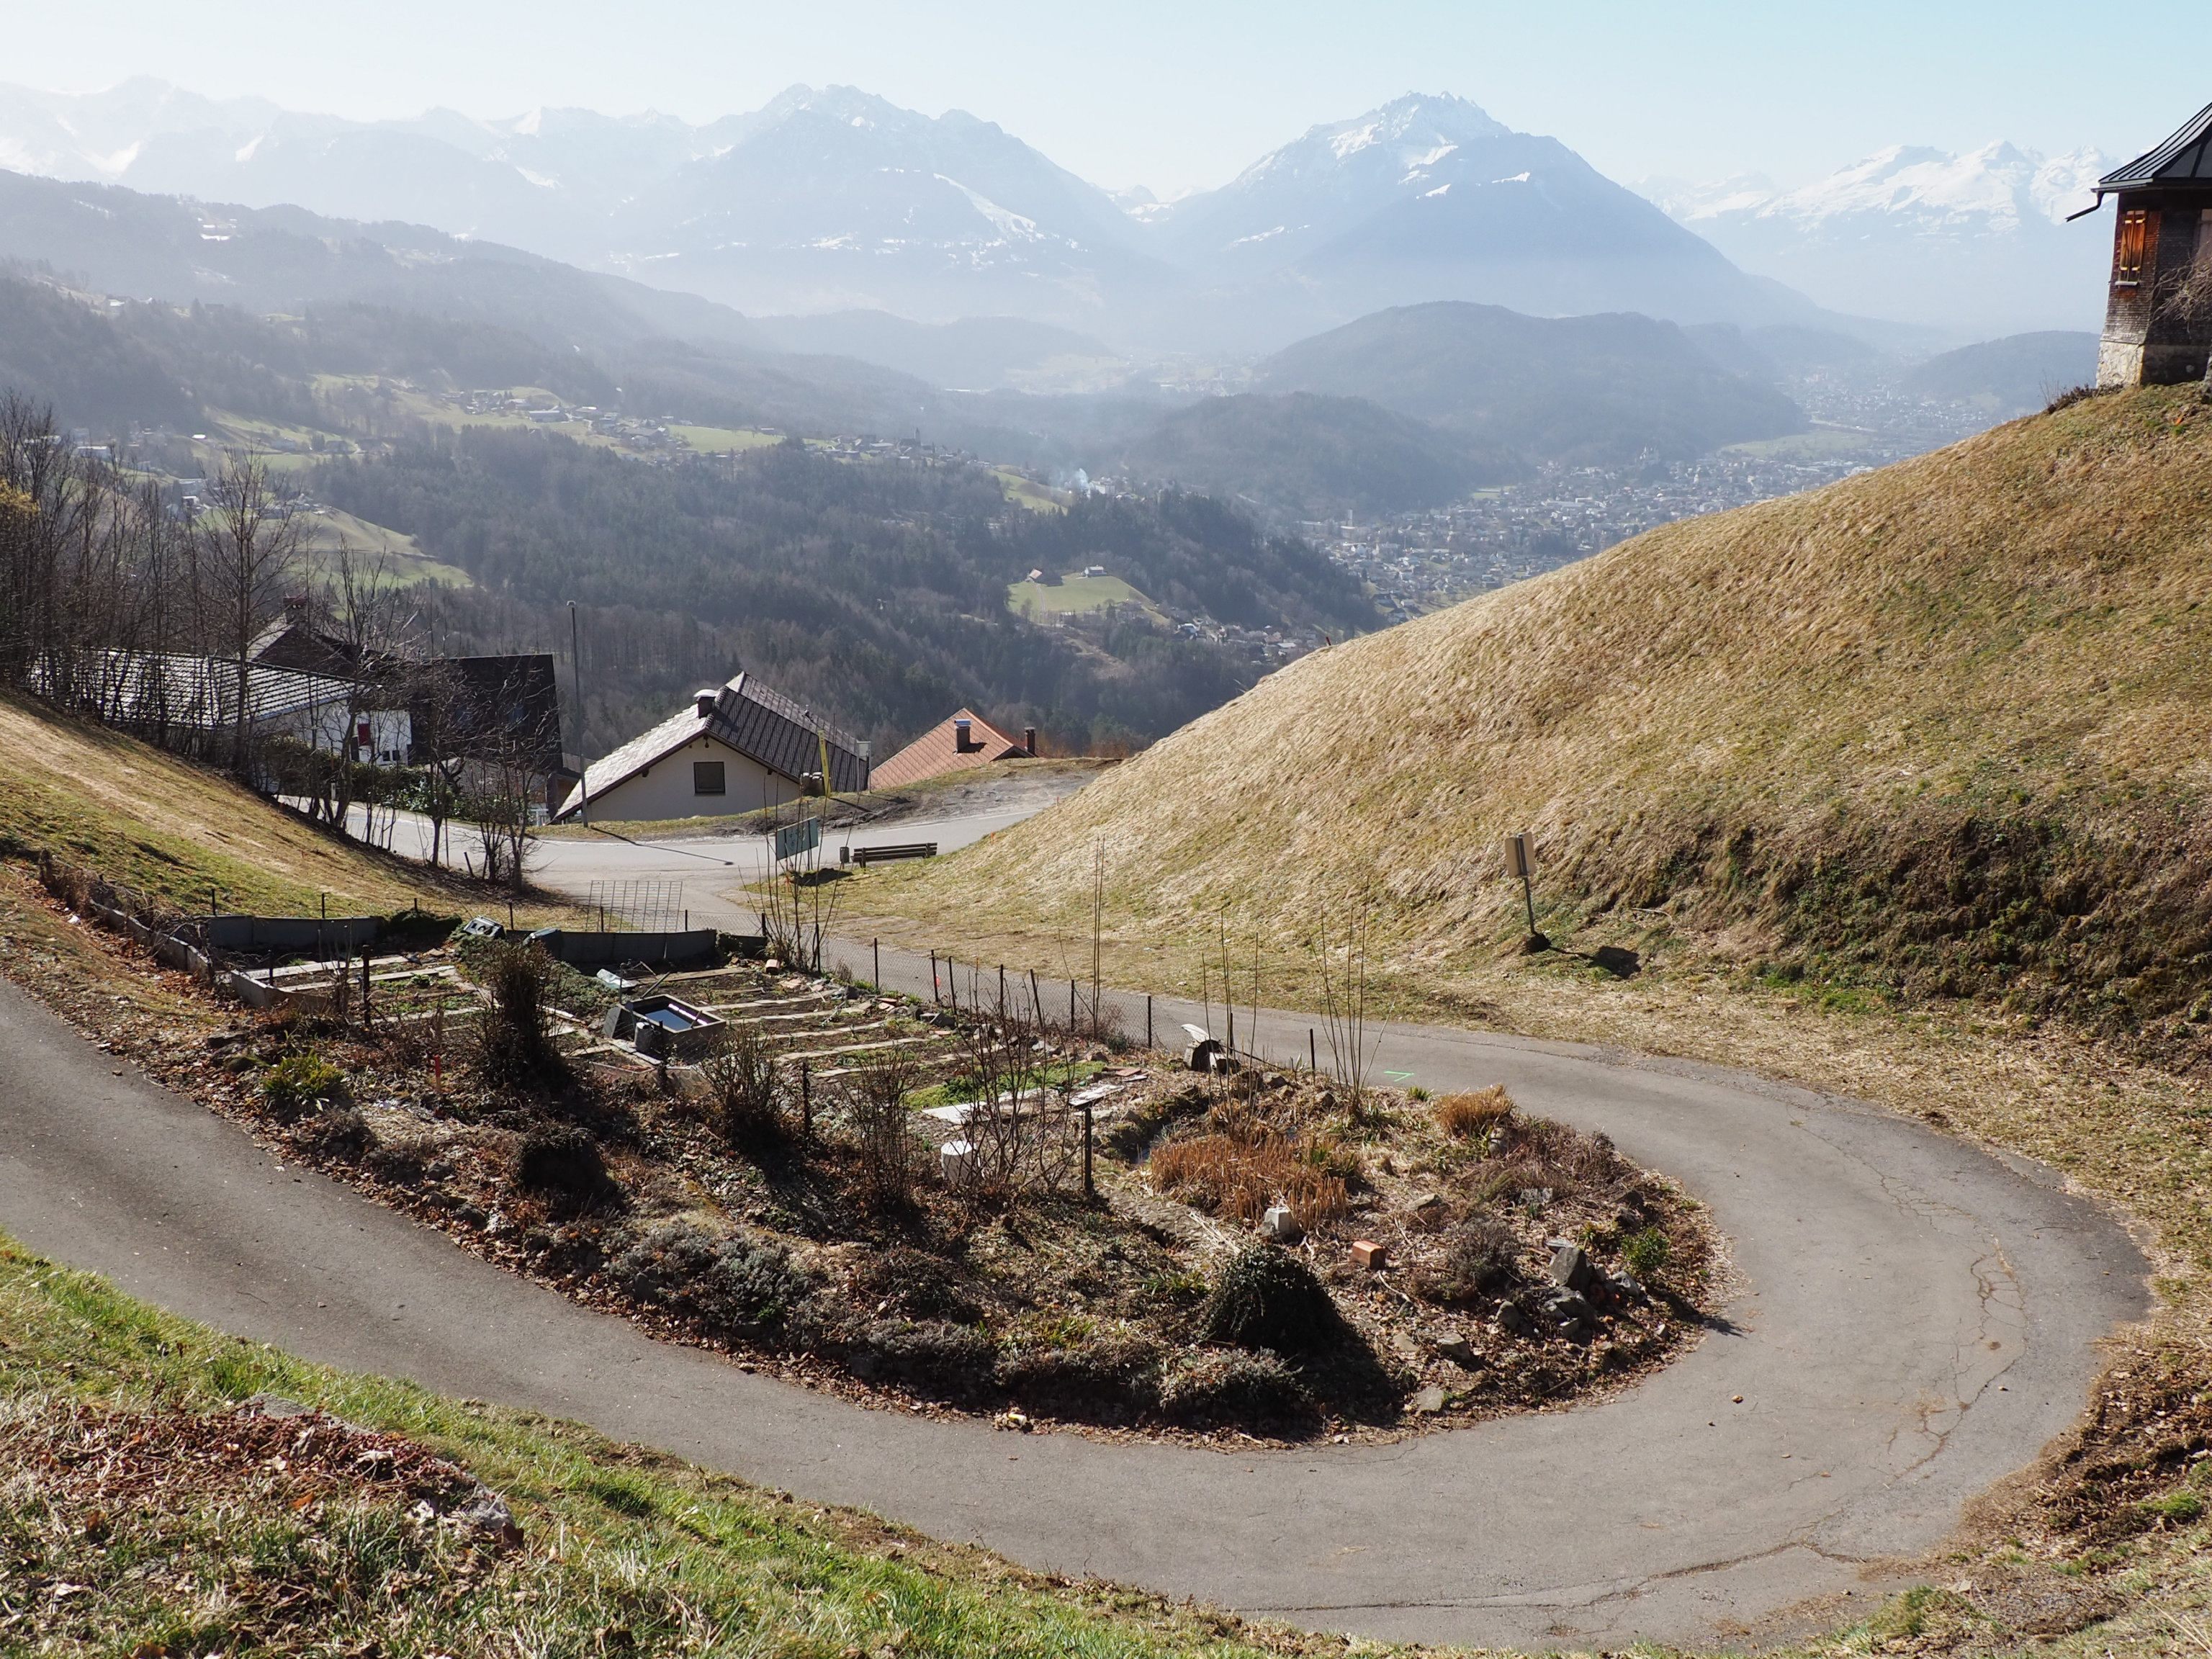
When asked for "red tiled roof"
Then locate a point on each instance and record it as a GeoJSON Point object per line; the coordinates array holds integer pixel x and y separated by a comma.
{"type": "Point", "coordinates": [936, 751]}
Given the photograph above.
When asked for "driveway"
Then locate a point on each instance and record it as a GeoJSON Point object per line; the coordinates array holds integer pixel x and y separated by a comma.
{"type": "Point", "coordinates": [1915, 1320]}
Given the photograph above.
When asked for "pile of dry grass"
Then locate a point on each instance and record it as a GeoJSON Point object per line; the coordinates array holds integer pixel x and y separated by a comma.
{"type": "Point", "coordinates": [1241, 1176]}
{"type": "Point", "coordinates": [1463, 1115]}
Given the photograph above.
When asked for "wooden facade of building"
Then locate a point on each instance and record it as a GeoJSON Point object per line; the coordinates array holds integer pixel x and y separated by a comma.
{"type": "Point", "coordinates": [2158, 318]}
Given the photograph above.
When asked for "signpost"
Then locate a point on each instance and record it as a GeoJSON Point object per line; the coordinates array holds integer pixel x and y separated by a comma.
{"type": "Point", "coordinates": [1517, 863]}
{"type": "Point", "coordinates": [794, 839]}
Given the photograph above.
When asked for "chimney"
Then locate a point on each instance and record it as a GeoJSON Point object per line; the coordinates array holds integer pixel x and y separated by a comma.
{"type": "Point", "coordinates": [297, 608]}
{"type": "Point", "coordinates": [963, 737]}
{"type": "Point", "coordinates": [706, 700]}
{"type": "Point", "coordinates": [1029, 741]}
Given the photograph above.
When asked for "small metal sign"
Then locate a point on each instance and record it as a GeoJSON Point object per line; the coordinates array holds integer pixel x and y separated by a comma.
{"type": "Point", "coordinates": [794, 839]}
{"type": "Point", "coordinates": [1516, 856]}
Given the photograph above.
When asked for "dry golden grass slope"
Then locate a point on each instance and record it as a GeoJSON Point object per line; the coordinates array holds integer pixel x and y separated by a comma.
{"type": "Point", "coordinates": [145, 818]}
{"type": "Point", "coordinates": [1946, 727]}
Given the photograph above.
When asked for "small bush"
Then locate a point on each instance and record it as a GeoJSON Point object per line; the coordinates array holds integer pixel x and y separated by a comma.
{"type": "Point", "coordinates": [745, 1088]}
{"type": "Point", "coordinates": [1234, 1177]}
{"type": "Point", "coordinates": [917, 1286]}
{"type": "Point", "coordinates": [1478, 1256]}
{"type": "Point", "coordinates": [1268, 1298]}
{"type": "Point", "coordinates": [1109, 1367]}
{"type": "Point", "coordinates": [1536, 1152]}
{"type": "Point", "coordinates": [2071, 396]}
{"type": "Point", "coordinates": [300, 1081]}
{"type": "Point", "coordinates": [515, 1043]}
{"type": "Point", "coordinates": [872, 1097]}
{"type": "Point", "coordinates": [733, 1286]}
{"type": "Point", "coordinates": [1176, 1289]}
{"type": "Point", "coordinates": [1212, 1389]}
{"type": "Point", "coordinates": [1417, 1093]}
{"type": "Point", "coordinates": [1645, 1252]}
{"type": "Point", "coordinates": [1463, 1115]}
{"type": "Point", "coordinates": [562, 1163]}
{"type": "Point", "coordinates": [337, 1131]}
{"type": "Point", "coordinates": [932, 1354]}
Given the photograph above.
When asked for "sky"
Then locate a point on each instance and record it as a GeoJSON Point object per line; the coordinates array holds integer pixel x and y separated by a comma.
{"type": "Point", "coordinates": [1176, 94]}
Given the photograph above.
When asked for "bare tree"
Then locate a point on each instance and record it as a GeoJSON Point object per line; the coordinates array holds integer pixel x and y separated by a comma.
{"type": "Point", "coordinates": [249, 546]}
{"type": "Point", "coordinates": [434, 705]}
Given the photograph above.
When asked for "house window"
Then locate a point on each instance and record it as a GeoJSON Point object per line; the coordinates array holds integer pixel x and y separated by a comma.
{"type": "Point", "coordinates": [707, 778]}
{"type": "Point", "coordinates": [2138, 233]}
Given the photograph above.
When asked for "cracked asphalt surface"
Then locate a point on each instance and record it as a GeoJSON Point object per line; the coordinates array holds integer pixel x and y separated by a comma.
{"type": "Point", "coordinates": [1917, 1319]}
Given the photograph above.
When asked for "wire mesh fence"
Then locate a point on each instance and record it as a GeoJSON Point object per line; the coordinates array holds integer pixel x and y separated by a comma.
{"type": "Point", "coordinates": [638, 907]}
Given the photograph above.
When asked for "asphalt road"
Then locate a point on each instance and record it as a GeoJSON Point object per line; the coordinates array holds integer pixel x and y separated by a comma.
{"type": "Point", "coordinates": [1917, 1320]}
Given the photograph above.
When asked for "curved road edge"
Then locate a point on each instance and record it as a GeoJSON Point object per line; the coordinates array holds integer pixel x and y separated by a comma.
{"type": "Point", "coordinates": [1919, 1319]}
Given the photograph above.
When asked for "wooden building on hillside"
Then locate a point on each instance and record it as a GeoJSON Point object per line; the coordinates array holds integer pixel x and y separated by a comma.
{"type": "Point", "coordinates": [965, 739]}
{"type": "Point", "coordinates": [2158, 320]}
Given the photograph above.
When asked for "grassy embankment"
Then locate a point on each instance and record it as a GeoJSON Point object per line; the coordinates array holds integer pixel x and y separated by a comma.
{"type": "Point", "coordinates": [113, 1548]}
{"type": "Point", "coordinates": [1899, 788]}
{"type": "Point", "coordinates": [189, 836]}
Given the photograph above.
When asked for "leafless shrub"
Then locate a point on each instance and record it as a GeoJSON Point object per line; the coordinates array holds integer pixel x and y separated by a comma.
{"type": "Point", "coordinates": [802, 909]}
{"type": "Point", "coordinates": [872, 1098]}
{"type": "Point", "coordinates": [1466, 1114]}
{"type": "Point", "coordinates": [2071, 396]}
{"type": "Point", "coordinates": [1019, 1144]}
{"type": "Point", "coordinates": [745, 1089]}
{"type": "Point", "coordinates": [1340, 957]}
{"type": "Point", "coordinates": [515, 1042]}
{"type": "Point", "coordinates": [2189, 294]}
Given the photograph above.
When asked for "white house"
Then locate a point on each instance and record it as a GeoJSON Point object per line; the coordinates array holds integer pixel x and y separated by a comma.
{"type": "Point", "coordinates": [734, 749]}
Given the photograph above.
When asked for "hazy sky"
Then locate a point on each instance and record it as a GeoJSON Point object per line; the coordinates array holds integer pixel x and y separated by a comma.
{"type": "Point", "coordinates": [1174, 93]}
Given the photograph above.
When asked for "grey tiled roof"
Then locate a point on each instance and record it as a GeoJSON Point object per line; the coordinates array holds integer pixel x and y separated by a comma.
{"type": "Point", "coordinates": [751, 719]}
{"type": "Point", "coordinates": [2184, 159]}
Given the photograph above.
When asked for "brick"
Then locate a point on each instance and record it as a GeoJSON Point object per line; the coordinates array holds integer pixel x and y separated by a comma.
{"type": "Point", "coordinates": [1367, 1254]}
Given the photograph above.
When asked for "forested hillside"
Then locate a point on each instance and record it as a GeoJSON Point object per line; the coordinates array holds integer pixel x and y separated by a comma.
{"type": "Point", "coordinates": [876, 592]}
{"type": "Point", "coordinates": [1320, 456]}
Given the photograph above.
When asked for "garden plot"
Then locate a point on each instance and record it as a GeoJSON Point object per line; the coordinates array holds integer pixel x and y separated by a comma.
{"type": "Point", "coordinates": [962, 1212]}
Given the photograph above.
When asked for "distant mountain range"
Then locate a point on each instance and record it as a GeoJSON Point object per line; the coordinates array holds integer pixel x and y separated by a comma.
{"type": "Point", "coordinates": [1977, 242]}
{"type": "Point", "coordinates": [834, 200]}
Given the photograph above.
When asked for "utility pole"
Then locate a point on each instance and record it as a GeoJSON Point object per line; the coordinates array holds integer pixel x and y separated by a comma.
{"type": "Point", "coordinates": [576, 673]}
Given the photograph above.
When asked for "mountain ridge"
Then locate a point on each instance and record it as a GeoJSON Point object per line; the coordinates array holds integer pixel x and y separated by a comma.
{"type": "Point", "coordinates": [835, 199]}
{"type": "Point", "coordinates": [1977, 240]}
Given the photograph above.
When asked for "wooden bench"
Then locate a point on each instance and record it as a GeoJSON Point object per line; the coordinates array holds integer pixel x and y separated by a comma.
{"type": "Point", "coordinates": [920, 849]}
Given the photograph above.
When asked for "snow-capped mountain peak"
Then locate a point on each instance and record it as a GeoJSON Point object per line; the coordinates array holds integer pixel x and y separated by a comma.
{"type": "Point", "coordinates": [1409, 134]}
{"type": "Point", "coordinates": [1978, 239]}
{"type": "Point", "coordinates": [1999, 185]}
